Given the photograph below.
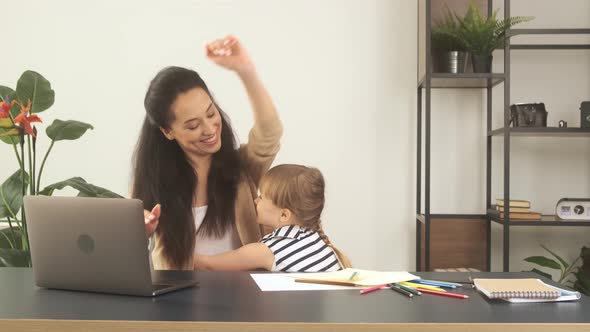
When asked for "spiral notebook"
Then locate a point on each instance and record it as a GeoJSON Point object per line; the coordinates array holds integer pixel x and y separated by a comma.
{"type": "Point", "coordinates": [522, 290]}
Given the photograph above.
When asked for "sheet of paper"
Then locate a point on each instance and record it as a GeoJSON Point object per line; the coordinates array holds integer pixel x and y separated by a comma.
{"type": "Point", "coordinates": [361, 278]}
{"type": "Point", "coordinates": [272, 282]}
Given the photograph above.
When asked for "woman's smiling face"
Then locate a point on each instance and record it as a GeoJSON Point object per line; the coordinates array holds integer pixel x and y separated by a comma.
{"type": "Point", "coordinates": [197, 123]}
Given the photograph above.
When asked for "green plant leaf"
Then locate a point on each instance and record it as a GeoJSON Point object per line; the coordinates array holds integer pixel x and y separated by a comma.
{"type": "Point", "coordinates": [7, 233]}
{"type": "Point", "coordinates": [7, 92]}
{"type": "Point", "coordinates": [580, 288]}
{"type": "Point", "coordinates": [582, 283]}
{"type": "Point", "coordinates": [544, 262]}
{"type": "Point", "coordinates": [31, 85]}
{"type": "Point", "coordinates": [85, 189]}
{"type": "Point", "coordinates": [9, 139]}
{"type": "Point", "coordinates": [481, 34]}
{"type": "Point", "coordinates": [561, 260]}
{"type": "Point", "coordinates": [14, 258]}
{"type": "Point", "coordinates": [10, 132]}
{"type": "Point", "coordinates": [543, 274]}
{"type": "Point", "coordinates": [6, 123]}
{"type": "Point", "coordinates": [67, 130]}
{"type": "Point", "coordinates": [11, 193]}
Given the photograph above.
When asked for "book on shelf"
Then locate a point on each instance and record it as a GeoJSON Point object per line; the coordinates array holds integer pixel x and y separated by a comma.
{"type": "Point", "coordinates": [514, 209]}
{"type": "Point", "coordinates": [514, 203]}
{"type": "Point", "coordinates": [522, 215]}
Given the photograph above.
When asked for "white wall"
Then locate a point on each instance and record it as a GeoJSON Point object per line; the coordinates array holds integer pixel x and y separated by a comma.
{"type": "Point", "coordinates": [343, 75]}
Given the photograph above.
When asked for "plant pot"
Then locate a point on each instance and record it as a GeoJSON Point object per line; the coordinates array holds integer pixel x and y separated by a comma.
{"type": "Point", "coordinates": [449, 62]}
{"type": "Point", "coordinates": [482, 63]}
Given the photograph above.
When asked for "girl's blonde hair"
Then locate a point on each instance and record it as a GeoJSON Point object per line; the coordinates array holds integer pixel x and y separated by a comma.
{"type": "Point", "coordinates": [301, 190]}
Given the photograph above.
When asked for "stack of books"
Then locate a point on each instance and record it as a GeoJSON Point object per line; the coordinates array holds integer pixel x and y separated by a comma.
{"type": "Point", "coordinates": [519, 209]}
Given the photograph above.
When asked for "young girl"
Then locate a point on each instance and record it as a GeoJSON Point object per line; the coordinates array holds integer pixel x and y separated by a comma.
{"type": "Point", "coordinates": [291, 201]}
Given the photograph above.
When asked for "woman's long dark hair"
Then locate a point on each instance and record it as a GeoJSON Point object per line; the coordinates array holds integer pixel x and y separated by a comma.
{"type": "Point", "coordinates": [162, 173]}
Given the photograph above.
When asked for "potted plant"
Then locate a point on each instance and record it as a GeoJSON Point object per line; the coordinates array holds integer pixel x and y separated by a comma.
{"type": "Point", "coordinates": [19, 111]}
{"type": "Point", "coordinates": [449, 53]}
{"type": "Point", "coordinates": [482, 35]}
{"type": "Point", "coordinates": [581, 272]}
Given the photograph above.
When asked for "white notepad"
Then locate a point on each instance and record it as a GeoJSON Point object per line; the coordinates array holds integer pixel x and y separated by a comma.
{"type": "Point", "coordinates": [523, 290]}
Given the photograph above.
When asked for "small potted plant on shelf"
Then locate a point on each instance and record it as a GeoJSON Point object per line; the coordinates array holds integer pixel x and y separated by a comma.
{"type": "Point", "coordinates": [449, 53]}
{"type": "Point", "coordinates": [482, 35]}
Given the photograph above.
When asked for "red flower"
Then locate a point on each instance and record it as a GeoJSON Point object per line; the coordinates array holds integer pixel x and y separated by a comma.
{"type": "Point", "coordinates": [24, 119]}
{"type": "Point", "coordinates": [5, 107]}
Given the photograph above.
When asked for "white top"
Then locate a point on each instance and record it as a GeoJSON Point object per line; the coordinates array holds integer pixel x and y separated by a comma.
{"type": "Point", "coordinates": [205, 245]}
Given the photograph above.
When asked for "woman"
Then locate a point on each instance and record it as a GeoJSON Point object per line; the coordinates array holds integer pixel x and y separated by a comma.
{"type": "Point", "coordinates": [188, 166]}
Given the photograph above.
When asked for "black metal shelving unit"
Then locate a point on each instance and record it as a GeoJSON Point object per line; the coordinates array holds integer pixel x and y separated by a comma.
{"type": "Point", "coordinates": [431, 81]}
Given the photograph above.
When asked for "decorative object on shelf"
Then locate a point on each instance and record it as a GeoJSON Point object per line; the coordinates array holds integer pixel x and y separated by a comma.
{"type": "Point", "coordinates": [528, 115]}
{"type": "Point", "coordinates": [581, 273]}
{"type": "Point", "coordinates": [585, 114]}
{"type": "Point", "coordinates": [449, 53]}
{"type": "Point", "coordinates": [574, 209]}
{"type": "Point", "coordinates": [483, 35]}
{"type": "Point", "coordinates": [18, 114]}
{"type": "Point", "coordinates": [562, 124]}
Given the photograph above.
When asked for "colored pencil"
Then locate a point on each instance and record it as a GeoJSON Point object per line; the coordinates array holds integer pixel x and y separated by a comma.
{"type": "Point", "coordinates": [413, 285]}
{"type": "Point", "coordinates": [353, 275]}
{"type": "Point", "coordinates": [400, 290]}
{"type": "Point", "coordinates": [326, 282]}
{"type": "Point", "coordinates": [436, 283]}
{"type": "Point", "coordinates": [455, 295]}
{"type": "Point", "coordinates": [409, 289]}
{"type": "Point", "coordinates": [372, 289]}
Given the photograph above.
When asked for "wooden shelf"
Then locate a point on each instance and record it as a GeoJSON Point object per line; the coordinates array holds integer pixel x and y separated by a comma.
{"type": "Point", "coordinates": [546, 220]}
{"type": "Point", "coordinates": [543, 132]}
{"type": "Point", "coordinates": [514, 32]}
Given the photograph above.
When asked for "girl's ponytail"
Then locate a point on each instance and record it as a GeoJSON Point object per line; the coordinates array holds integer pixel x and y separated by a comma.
{"type": "Point", "coordinates": [342, 259]}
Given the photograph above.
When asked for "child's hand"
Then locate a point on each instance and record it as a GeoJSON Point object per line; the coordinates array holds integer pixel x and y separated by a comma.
{"type": "Point", "coordinates": [199, 263]}
{"type": "Point", "coordinates": [229, 53]}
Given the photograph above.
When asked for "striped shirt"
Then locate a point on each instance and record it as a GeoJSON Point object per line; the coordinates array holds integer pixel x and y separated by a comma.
{"type": "Point", "coordinates": [298, 249]}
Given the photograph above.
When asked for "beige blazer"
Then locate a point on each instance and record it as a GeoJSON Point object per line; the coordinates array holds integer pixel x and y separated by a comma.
{"type": "Point", "coordinates": [256, 157]}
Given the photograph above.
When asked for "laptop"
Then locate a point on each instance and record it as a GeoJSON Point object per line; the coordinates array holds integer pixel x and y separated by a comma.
{"type": "Point", "coordinates": [92, 244]}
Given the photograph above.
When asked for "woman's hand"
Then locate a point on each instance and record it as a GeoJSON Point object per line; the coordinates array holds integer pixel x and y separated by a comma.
{"type": "Point", "coordinates": [229, 53]}
{"type": "Point", "coordinates": [152, 219]}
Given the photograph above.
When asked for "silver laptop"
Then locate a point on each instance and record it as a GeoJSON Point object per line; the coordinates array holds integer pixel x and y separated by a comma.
{"type": "Point", "coordinates": [92, 244]}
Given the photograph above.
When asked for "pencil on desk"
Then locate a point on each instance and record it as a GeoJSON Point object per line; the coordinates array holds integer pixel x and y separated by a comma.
{"type": "Point", "coordinates": [455, 295]}
{"type": "Point", "coordinates": [372, 289]}
{"type": "Point", "coordinates": [413, 285]}
{"type": "Point", "coordinates": [326, 282]}
{"type": "Point", "coordinates": [400, 290]}
{"type": "Point", "coordinates": [408, 289]}
{"type": "Point", "coordinates": [436, 283]}
{"type": "Point", "coordinates": [353, 275]}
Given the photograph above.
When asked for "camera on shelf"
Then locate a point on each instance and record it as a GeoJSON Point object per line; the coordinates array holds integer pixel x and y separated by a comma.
{"type": "Point", "coordinates": [528, 115]}
{"type": "Point", "coordinates": [585, 114]}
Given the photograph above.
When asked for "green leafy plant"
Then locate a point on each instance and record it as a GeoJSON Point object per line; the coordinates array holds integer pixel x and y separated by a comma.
{"type": "Point", "coordinates": [482, 35]}
{"type": "Point", "coordinates": [581, 273]}
{"type": "Point", "coordinates": [19, 111]}
{"type": "Point", "coordinates": [582, 283]}
{"type": "Point", "coordinates": [445, 35]}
